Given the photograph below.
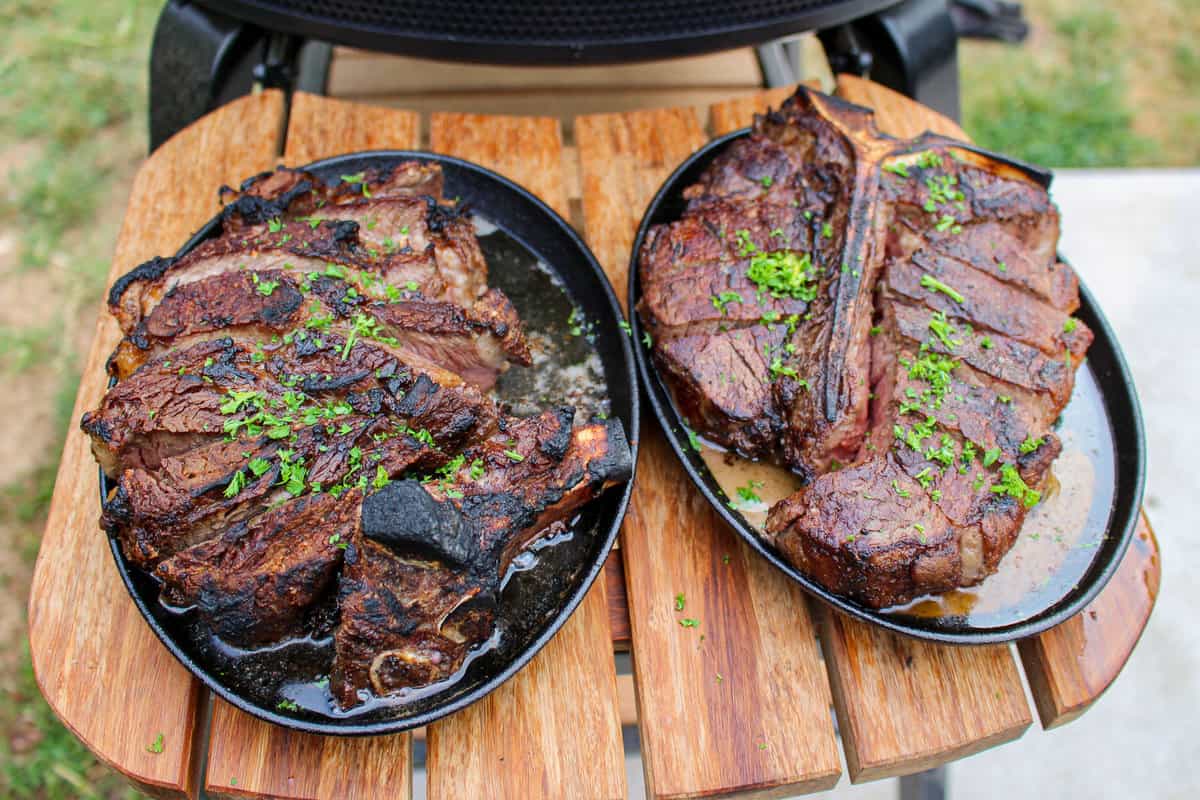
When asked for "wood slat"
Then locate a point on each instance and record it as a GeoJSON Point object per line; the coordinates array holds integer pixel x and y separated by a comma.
{"type": "Point", "coordinates": [319, 127]}
{"type": "Point", "coordinates": [266, 760]}
{"type": "Point", "coordinates": [739, 703]}
{"type": "Point", "coordinates": [250, 758]}
{"type": "Point", "coordinates": [904, 705]}
{"type": "Point", "coordinates": [552, 730]}
{"type": "Point", "coordinates": [1071, 665]}
{"type": "Point", "coordinates": [97, 662]}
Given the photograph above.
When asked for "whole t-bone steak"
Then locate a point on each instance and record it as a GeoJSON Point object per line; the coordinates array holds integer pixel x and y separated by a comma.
{"type": "Point", "coordinates": [885, 317]}
{"type": "Point", "coordinates": [300, 423]}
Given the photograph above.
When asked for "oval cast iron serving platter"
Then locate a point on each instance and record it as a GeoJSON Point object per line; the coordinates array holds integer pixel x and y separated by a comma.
{"type": "Point", "coordinates": [1104, 388]}
{"type": "Point", "coordinates": [547, 271]}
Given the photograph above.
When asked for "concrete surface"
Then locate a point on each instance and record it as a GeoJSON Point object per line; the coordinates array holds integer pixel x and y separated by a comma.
{"type": "Point", "coordinates": [1134, 237]}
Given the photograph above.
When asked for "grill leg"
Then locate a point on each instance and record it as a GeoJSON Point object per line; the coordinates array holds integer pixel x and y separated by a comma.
{"type": "Point", "coordinates": [200, 60]}
{"type": "Point", "coordinates": [927, 785]}
{"type": "Point", "coordinates": [911, 47]}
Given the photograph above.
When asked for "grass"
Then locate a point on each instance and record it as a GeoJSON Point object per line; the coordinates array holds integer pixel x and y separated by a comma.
{"type": "Point", "coordinates": [1067, 97]}
{"type": "Point", "coordinates": [1103, 84]}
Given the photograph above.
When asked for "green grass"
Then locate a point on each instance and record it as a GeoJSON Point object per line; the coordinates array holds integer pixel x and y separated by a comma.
{"type": "Point", "coordinates": [1071, 110]}
{"type": "Point", "coordinates": [39, 758]}
{"type": "Point", "coordinates": [72, 86]}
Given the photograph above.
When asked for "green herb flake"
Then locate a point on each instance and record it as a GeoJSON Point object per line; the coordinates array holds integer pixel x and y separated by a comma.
{"type": "Point", "coordinates": [156, 746]}
{"type": "Point", "coordinates": [1030, 444]}
{"type": "Point", "coordinates": [990, 456]}
{"type": "Point", "coordinates": [1011, 484]}
{"type": "Point", "coordinates": [1070, 325]}
{"type": "Point", "coordinates": [766, 181]}
{"type": "Point", "coordinates": [680, 601]}
{"type": "Point", "coordinates": [687, 622]}
{"type": "Point", "coordinates": [513, 455]}
{"type": "Point", "coordinates": [896, 168]}
{"type": "Point", "coordinates": [236, 484]}
{"type": "Point", "coordinates": [720, 302]}
{"type": "Point", "coordinates": [934, 285]}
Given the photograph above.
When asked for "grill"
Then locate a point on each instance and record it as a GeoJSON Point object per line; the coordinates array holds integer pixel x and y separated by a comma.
{"type": "Point", "coordinates": [546, 33]}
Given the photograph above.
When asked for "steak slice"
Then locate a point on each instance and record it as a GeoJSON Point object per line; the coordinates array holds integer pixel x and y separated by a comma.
{"type": "Point", "coordinates": [256, 583]}
{"type": "Point", "coordinates": [270, 195]}
{"type": "Point", "coordinates": [421, 584]}
{"type": "Point", "coordinates": [441, 338]}
{"type": "Point", "coordinates": [184, 398]}
{"type": "Point", "coordinates": [933, 360]}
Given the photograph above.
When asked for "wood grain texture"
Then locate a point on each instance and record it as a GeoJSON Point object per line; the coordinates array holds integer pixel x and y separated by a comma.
{"type": "Point", "coordinates": [738, 704]}
{"type": "Point", "coordinates": [527, 150]}
{"type": "Point", "coordinates": [249, 758]}
{"type": "Point", "coordinates": [98, 664]}
{"type": "Point", "coordinates": [1070, 666]}
{"type": "Point", "coordinates": [905, 705]}
{"type": "Point", "coordinates": [267, 760]}
{"type": "Point", "coordinates": [618, 603]}
{"type": "Point", "coordinates": [553, 730]}
{"type": "Point", "coordinates": [319, 127]}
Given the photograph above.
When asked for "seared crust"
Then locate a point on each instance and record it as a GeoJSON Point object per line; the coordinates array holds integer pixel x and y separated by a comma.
{"type": "Point", "coordinates": [934, 357]}
{"type": "Point", "coordinates": [320, 365]}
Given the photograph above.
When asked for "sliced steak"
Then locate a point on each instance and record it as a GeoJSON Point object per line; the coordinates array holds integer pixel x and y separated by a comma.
{"type": "Point", "coordinates": [473, 344]}
{"type": "Point", "coordinates": [188, 397]}
{"type": "Point", "coordinates": [406, 618]}
{"type": "Point", "coordinates": [256, 583]}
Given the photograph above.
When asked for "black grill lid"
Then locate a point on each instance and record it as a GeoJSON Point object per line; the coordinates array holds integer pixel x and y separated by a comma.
{"type": "Point", "coordinates": [564, 33]}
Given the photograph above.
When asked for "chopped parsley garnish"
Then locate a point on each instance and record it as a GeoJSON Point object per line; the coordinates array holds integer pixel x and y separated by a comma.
{"type": "Point", "coordinates": [259, 466]}
{"type": "Point", "coordinates": [381, 478]}
{"type": "Point", "coordinates": [679, 601]}
{"type": "Point", "coordinates": [929, 159]}
{"type": "Point", "coordinates": [265, 288]}
{"type": "Point", "coordinates": [476, 471]}
{"type": "Point", "coordinates": [943, 330]}
{"type": "Point", "coordinates": [275, 225]}
{"type": "Point", "coordinates": [827, 230]}
{"type": "Point", "coordinates": [720, 301]}
{"type": "Point", "coordinates": [875, 330]}
{"type": "Point", "coordinates": [236, 484]}
{"type": "Point", "coordinates": [287, 705]}
{"type": "Point", "coordinates": [990, 456]}
{"type": "Point", "coordinates": [514, 456]}
{"type": "Point", "coordinates": [693, 440]}
{"type": "Point", "coordinates": [1070, 325]}
{"type": "Point", "coordinates": [778, 368]}
{"type": "Point", "coordinates": [1030, 444]}
{"type": "Point", "coordinates": [899, 492]}
{"type": "Point", "coordinates": [646, 339]}
{"type": "Point", "coordinates": [689, 623]}
{"type": "Point", "coordinates": [896, 168]}
{"type": "Point", "coordinates": [1012, 485]}
{"type": "Point", "coordinates": [766, 181]}
{"type": "Point", "coordinates": [781, 273]}
{"type": "Point", "coordinates": [156, 746]}
{"type": "Point", "coordinates": [986, 343]}
{"type": "Point", "coordinates": [934, 285]}
{"type": "Point", "coordinates": [625, 326]}
{"type": "Point", "coordinates": [748, 493]}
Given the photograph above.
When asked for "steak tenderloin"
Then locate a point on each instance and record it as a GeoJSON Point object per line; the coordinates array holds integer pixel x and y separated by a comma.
{"type": "Point", "coordinates": [886, 318]}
